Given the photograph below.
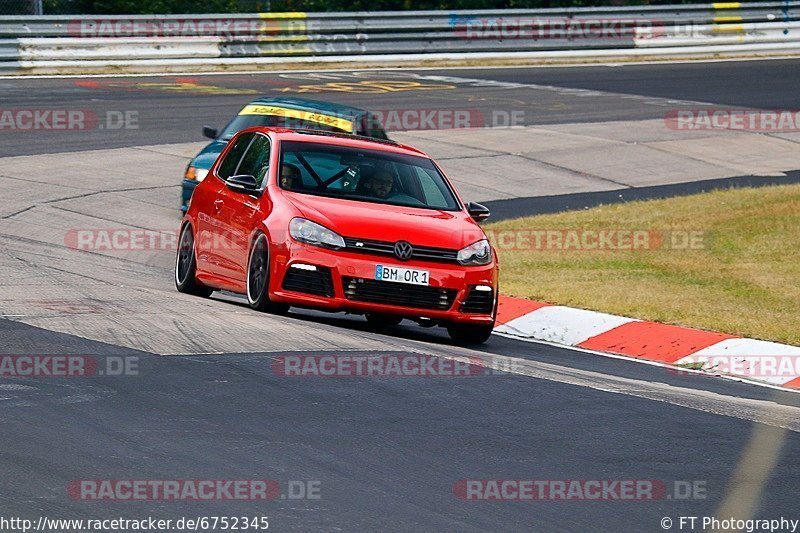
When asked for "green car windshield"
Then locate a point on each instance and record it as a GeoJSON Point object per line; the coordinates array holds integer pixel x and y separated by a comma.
{"type": "Point", "coordinates": [242, 122]}
{"type": "Point", "coordinates": [364, 175]}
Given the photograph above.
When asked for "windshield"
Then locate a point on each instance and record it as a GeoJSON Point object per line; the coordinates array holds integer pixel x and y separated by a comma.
{"type": "Point", "coordinates": [242, 122]}
{"type": "Point", "coordinates": [364, 175]}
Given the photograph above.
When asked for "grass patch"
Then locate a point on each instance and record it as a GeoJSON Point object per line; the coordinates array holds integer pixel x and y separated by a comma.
{"type": "Point", "coordinates": [691, 366]}
{"type": "Point", "coordinates": [726, 261]}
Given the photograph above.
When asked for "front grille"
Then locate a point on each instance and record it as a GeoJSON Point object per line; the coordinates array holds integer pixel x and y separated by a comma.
{"type": "Point", "coordinates": [424, 253]}
{"type": "Point", "coordinates": [478, 302]}
{"type": "Point", "coordinates": [317, 282]}
{"type": "Point", "coordinates": [402, 294]}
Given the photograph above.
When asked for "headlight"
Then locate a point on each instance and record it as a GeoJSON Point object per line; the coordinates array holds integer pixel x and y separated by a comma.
{"type": "Point", "coordinates": [196, 174]}
{"type": "Point", "coordinates": [479, 253]}
{"type": "Point", "coordinates": [312, 233]}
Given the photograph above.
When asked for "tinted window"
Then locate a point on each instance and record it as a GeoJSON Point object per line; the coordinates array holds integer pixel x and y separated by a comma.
{"type": "Point", "coordinates": [231, 162]}
{"type": "Point", "coordinates": [256, 161]}
{"type": "Point", "coordinates": [435, 193]}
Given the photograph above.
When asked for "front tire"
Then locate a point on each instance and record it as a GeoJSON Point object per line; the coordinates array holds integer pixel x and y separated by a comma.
{"type": "Point", "coordinates": [186, 266]}
{"type": "Point", "coordinates": [468, 334]}
{"type": "Point", "coordinates": [258, 278]}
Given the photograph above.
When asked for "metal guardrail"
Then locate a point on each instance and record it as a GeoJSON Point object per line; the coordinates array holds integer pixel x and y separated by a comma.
{"type": "Point", "coordinates": [9, 50]}
{"type": "Point", "coordinates": [128, 41]}
{"type": "Point", "coordinates": [397, 22]}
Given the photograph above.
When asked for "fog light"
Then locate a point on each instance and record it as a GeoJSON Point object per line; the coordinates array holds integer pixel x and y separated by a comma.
{"type": "Point", "coordinates": [302, 266]}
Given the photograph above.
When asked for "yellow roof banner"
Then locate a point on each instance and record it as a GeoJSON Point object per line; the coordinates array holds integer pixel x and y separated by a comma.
{"type": "Point", "coordinates": [320, 118]}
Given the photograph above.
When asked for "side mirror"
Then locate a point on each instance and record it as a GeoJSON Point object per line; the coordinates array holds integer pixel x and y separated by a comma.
{"type": "Point", "coordinates": [244, 183]}
{"type": "Point", "coordinates": [478, 212]}
{"type": "Point", "coordinates": [211, 133]}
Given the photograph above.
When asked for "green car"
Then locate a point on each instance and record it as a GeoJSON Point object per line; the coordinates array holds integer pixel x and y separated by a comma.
{"type": "Point", "coordinates": [295, 113]}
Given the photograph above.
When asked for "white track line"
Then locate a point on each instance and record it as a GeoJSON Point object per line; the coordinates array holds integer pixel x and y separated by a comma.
{"type": "Point", "coordinates": [614, 64]}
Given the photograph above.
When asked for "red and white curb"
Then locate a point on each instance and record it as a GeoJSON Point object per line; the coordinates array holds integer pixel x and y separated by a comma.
{"type": "Point", "coordinates": [761, 361]}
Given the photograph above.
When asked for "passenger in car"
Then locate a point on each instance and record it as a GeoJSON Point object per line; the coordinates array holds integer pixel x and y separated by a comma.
{"type": "Point", "coordinates": [290, 176]}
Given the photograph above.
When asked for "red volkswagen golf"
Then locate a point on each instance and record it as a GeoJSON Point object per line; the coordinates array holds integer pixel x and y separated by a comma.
{"type": "Point", "coordinates": [340, 223]}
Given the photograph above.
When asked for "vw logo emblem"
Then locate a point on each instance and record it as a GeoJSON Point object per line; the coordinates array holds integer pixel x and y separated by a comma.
{"type": "Point", "coordinates": [403, 250]}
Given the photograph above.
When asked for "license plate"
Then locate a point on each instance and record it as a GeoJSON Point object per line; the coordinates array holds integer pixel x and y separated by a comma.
{"type": "Point", "coordinates": [402, 275]}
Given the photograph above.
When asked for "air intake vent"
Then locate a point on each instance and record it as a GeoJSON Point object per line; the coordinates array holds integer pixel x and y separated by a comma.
{"type": "Point", "coordinates": [478, 301]}
{"type": "Point", "coordinates": [317, 282]}
{"type": "Point", "coordinates": [400, 294]}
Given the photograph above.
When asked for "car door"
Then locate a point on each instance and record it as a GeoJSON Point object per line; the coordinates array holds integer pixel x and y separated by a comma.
{"type": "Point", "coordinates": [210, 240]}
{"type": "Point", "coordinates": [240, 212]}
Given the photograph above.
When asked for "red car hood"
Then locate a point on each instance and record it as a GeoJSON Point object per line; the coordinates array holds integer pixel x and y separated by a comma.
{"type": "Point", "coordinates": [390, 223]}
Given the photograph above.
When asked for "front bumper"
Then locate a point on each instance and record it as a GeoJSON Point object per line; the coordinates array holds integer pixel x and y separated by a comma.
{"type": "Point", "coordinates": [454, 279]}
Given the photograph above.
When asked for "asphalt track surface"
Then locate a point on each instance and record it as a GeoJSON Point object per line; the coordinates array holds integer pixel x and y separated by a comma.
{"type": "Point", "coordinates": [386, 452]}
{"type": "Point", "coordinates": [173, 109]}
{"type": "Point", "coordinates": [539, 205]}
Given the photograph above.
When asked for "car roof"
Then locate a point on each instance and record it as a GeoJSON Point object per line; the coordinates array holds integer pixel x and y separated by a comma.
{"type": "Point", "coordinates": [306, 104]}
{"type": "Point", "coordinates": [341, 139]}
